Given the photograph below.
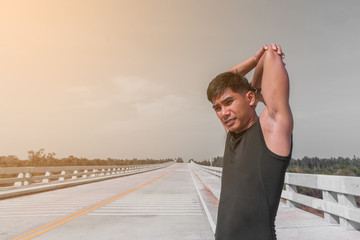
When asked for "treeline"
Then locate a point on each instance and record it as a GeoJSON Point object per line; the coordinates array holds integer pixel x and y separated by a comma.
{"type": "Point", "coordinates": [330, 166]}
{"type": "Point", "coordinates": [215, 162]}
{"type": "Point", "coordinates": [313, 165]}
{"type": "Point", "coordinates": [40, 158]}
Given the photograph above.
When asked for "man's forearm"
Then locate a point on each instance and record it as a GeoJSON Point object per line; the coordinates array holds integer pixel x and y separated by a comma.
{"type": "Point", "coordinates": [256, 81]}
{"type": "Point", "coordinates": [257, 77]}
{"type": "Point", "coordinates": [244, 67]}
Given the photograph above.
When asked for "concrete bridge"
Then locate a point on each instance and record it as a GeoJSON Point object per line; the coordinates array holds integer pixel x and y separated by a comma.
{"type": "Point", "coordinates": [169, 201]}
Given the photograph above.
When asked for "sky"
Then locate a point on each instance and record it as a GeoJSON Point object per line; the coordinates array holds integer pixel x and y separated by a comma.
{"type": "Point", "coordinates": [127, 79]}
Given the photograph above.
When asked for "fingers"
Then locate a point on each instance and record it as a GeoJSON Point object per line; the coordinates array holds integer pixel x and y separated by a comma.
{"type": "Point", "coordinates": [278, 50]}
{"type": "Point", "coordinates": [259, 53]}
{"type": "Point", "coordinates": [273, 46]}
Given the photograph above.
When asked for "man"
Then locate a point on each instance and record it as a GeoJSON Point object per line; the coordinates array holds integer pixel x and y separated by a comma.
{"type": "Point", "coordinates": [258, 149]}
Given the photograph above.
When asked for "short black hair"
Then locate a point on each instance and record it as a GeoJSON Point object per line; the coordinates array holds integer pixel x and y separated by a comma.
{"type": "Point", "coordinates": [235, 81]}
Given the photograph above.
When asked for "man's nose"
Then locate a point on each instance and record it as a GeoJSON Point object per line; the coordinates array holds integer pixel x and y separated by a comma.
{"type": "Point", "coordinates": [225, 112]}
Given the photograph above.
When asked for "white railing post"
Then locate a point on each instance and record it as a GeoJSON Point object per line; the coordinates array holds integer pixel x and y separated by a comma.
{"type": "Point", "coordinates": [74, 176]}
{"type": "Point", "coordinates": [94, 173]}
{"type": "Point", "coordinates": [292, 189]}
{"type": "Point", "coordinates": [27, 179]}
{"type": "Point", "coordinates": [46, 180]}
{"type": "Point", "coordinates": [85, 174]}
{"type": "Point", "coordinates": [332, 198]}
{"type": "Point", "coordinates": [348, 201]}
{"type": "Point", "coordinates": [19, 183]}
{"type": "Point", "coordinates": [62, 177]}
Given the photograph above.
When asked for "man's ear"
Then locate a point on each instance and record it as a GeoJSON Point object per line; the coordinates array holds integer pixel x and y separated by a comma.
{"type": "Point", "coordinates": [251, 98]}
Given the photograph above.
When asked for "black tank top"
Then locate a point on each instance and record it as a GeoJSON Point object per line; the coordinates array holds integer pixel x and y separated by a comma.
{"type": "Point", "coordinates": [252, 181]}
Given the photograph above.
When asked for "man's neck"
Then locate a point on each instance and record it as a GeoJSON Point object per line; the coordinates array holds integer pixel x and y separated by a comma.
{"type": "Point", "coordinates": [251, 122]}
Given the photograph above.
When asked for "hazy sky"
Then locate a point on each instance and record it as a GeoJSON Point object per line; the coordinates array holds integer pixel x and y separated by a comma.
{"type": "Point", "coordinates": [127, 79]}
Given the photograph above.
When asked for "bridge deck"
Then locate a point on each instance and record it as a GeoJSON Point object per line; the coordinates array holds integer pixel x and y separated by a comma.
{"type": "Point", "coordinates": [162, 204]}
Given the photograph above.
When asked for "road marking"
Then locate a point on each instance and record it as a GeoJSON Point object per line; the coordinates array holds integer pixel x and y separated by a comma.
{"type": "Point", "coordinates": [153, 204]}
{"type": "Point", "coordinates": [154, 207]}
{"type": "Point", "coordinates": [208, 215]}
{"type": "Point", "coordinates": [41, 230]}
{"type": "Point", "coordinates": [146, 214]}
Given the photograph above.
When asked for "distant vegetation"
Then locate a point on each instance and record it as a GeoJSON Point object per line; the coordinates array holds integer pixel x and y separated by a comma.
{"type": "Point", "coordinates": [330, 166]}
{"type": "Point", "coordinates": [216, 162]}
{"type": "Point", "coordinates": [313, 165]}
{"type": "Point", "coordinates": [40, 158]}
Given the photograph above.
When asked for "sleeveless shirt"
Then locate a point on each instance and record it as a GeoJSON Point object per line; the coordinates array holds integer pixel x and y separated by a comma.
{"type": "Point", "coordinates": [252, 181]}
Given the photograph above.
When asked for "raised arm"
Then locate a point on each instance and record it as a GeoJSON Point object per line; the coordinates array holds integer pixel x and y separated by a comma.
{"type": "Point", "coordinates": [277, 122]}
{"type": "Point", "coordinates": [250, 63]}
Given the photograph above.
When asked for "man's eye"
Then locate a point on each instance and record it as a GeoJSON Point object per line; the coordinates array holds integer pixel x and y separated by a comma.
{"type": "Point", "coordinates": [228, 102]}
{"type": "Point", "coordinates": [217, 109]}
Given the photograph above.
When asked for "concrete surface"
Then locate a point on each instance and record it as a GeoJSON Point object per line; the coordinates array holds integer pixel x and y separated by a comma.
{"type": "Point", "coordinates": [147, 206]}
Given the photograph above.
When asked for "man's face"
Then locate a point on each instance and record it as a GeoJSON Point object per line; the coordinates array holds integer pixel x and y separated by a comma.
{"type": "Point", "coordinates": [233, 109]}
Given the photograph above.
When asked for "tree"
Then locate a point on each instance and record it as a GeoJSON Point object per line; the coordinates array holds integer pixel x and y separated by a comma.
{"type": "Point", "coordinates": [9, 161]}
{"type": "Point", "coordinates": [37, 158]}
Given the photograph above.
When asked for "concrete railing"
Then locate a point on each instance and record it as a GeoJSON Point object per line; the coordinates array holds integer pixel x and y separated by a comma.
{"type": "Point", "coordinates": [36, 179]}
{"type": "Point", "coordinates": [217, 171]}
{"type": "Point", "coordinates": [338, 195]}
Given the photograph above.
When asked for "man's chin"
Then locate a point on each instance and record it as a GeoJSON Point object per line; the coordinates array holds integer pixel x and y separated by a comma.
{"type": "Point", "coordinates": [232, 128]}
{"type": "Point", "coordinates": [236, 129]}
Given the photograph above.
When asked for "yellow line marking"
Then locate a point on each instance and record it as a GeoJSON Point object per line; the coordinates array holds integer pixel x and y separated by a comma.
{"type": "Point", "coordinates": [77, 214]}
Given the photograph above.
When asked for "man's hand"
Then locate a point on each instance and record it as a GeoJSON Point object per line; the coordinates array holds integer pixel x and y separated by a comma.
{"type": "Point", "coordinates": [247, 65]}
{"type": "Point", "coordinates": [261, 51]}
{"type": "Point", "coordinates": [278, 50]}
